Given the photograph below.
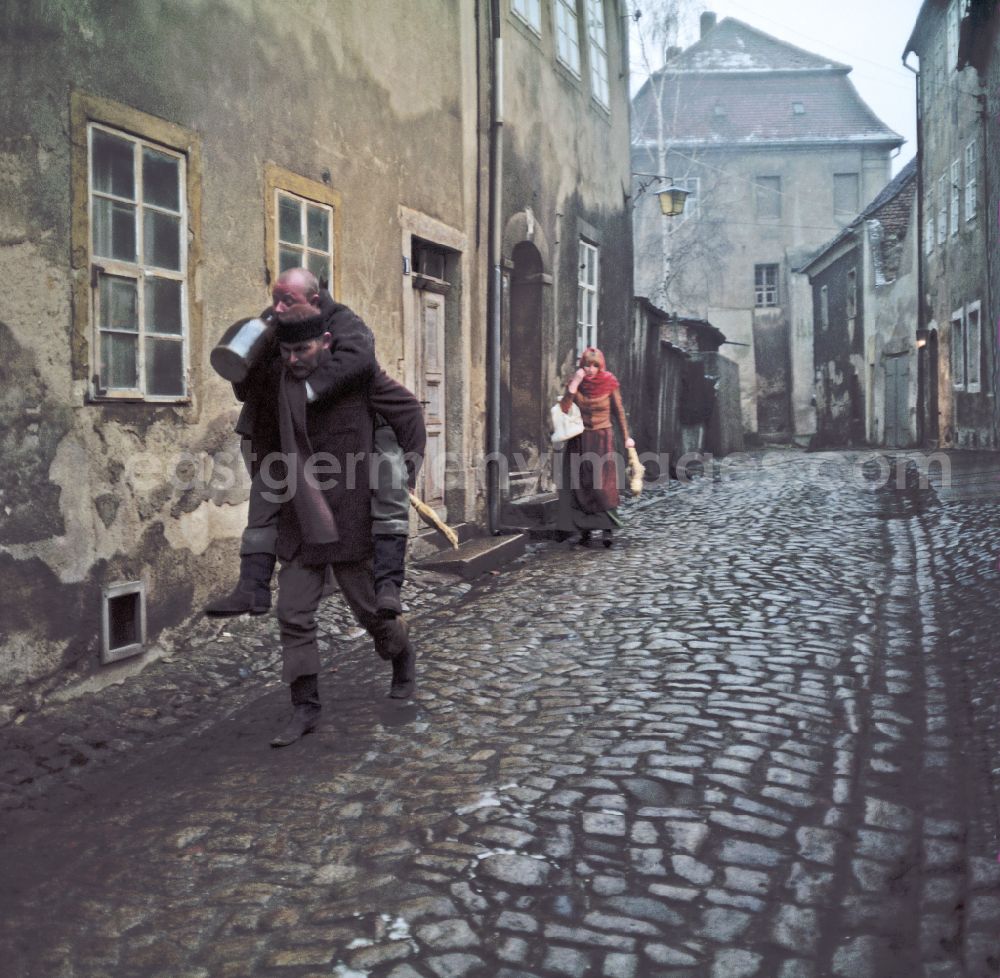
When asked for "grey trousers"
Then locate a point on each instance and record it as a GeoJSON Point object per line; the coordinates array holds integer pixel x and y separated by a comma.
{"type": "Point", "coordinates": [300, 588]}
{"type": "Point", "coordinates": [390, 505]}
{"type": "Point", "coordinates": [391, 495]}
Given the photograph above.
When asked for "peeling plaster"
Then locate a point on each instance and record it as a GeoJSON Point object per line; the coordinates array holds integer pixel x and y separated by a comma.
{"type": "Point", "coordinates": [197, 530]}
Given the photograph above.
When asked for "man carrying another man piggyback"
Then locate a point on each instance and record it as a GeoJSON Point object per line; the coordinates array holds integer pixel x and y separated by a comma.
{"type": "Point", "coordinates": [335, 445]}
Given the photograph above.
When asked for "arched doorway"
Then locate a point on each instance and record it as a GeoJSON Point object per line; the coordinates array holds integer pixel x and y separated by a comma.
{"type": "Point", "coordinates": [524, 351]}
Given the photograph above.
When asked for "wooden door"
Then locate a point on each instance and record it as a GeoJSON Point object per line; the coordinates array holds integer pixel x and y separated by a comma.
{"type": "Point", "coordinates": [897, 390]}
{"type": "Point", "coordinates": [431, 392]}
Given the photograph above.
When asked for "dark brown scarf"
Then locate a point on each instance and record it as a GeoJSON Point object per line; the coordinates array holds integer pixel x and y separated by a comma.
{"type": "Point", "coordinates": [316, 522]}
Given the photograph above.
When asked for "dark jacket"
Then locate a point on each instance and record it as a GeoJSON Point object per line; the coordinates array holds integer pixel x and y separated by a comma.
{"type": "Point", "coordinates": [341, 427]}
{"type": "Point", "coordinates": [352, 358]}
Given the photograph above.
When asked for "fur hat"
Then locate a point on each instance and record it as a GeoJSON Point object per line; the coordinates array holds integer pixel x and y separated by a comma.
{"type": "Point", "coordinates": [300, 323]}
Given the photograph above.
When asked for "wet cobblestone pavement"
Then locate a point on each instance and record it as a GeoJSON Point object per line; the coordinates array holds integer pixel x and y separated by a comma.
{"type": "Point", "coordinates": [757, 737]}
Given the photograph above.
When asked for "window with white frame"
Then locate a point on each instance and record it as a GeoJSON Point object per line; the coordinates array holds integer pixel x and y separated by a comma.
{"type": "Point", "coordinates": [824, 307]}
{"type": "Point", "coordinates": [567, 35]}
{"type": "Point", "coordinates": [586, 308]}
{"type": "Point", "coordinates": [530, 12]}
{"type": "Point", "coordinates": [940, 70]}
{"type": "Point", "coordinates": [765, 282]}
{"type": "Point", "coordinates": [301, 226]}
{"type": "Point", "coordinates": [973, 348]}
{"type": "Point", "coordinates": [970, 181]}
{"type": "Point", "coordinates": [942, 224]}
{"type": "Point", "coordinates": [305, 234]}
{"type": "Point", "coordinates": [137, 209]}
{"type": "Point", "coordinates": [852, 293]}
{"type": "Point", "coordinates": [953, 16]}
{"type": "Point", "coordinates": [598, 37]}
{"type": "Point", "coordinates": [929, 226]}
{"type": "Point", "coordinates": [956, 180]}
{"type": "Point", "coordinates": [958, 349]}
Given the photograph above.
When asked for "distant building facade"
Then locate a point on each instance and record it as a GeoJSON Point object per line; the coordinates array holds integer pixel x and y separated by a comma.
{"type": "Point", "coordinates": [779, 152]}
{"type": "Point", "coordinates": [956, 177]}
{"type": "Point", "coordinates": [864, 314]}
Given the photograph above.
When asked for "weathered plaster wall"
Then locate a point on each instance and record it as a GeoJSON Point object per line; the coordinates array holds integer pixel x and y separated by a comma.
{"type": "Point", "coordinates": [566, 172]}
{"type": "Point", "coordinates": [335, 91]}
{"type": "Point", "coordinates": [891, 315]}
{"type": "Point", "coordinates": [955, 271]}
{"type": "Point", "coordinates": [991, 213]}
{"type": "Point", "coordinates": [839, 355]}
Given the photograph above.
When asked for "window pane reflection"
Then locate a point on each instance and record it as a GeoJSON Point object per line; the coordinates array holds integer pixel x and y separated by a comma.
{"type": "Point", "coordinates": [163, 306]}
{"type": "Point", "coordinates": [118, 361]}
{"type": "Point", "coordinates": [162, 239]}
{"type": "Point", "coordinates": [289, 258]}
{"type": "Point", "coordinates": [112, 167]}
{"type": "Point", "coordinates": [114, 229]}
{"type": "Point", "coordinates": [164, 367]}
{"type": "Point", "coordinates": [320, 267]}
{"type": "Point", "coordinates": [319, 224]}
{"type": "Point", "coordinates": [118, 304]}
{"type": "Point", "coordinates": [159, 179]}
{"type": "Point", "coordinates": [289, 220]}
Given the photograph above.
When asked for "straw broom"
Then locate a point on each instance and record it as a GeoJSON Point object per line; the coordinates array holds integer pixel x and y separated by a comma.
{"type": "Point", "coordinates": [635, 471]}
{"type": "Point", "coordinates": [432, 519]}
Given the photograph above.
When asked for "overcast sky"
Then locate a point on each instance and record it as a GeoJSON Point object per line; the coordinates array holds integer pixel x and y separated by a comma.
{"type": "Point", "coordinates": [868, 34]}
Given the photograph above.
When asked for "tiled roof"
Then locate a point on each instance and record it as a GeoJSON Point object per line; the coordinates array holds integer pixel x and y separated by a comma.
{"type": "Point", "coordinates": [891, 190]}
{"type": "Point", "coordinates": [734, 46]}
{"type": "Point", "coordinates": [740, 85]}
{"type": "Point", "coordinates": [890, 201]}
{"type": "Point", "coordinates": [730, 107]}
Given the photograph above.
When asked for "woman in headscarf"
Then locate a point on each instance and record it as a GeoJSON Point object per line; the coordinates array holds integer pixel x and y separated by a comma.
{"type": "Point", "coordinates": [588, 493]}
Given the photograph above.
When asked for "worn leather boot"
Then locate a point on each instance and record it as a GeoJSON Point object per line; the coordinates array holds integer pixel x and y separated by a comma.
{"type": "Point", "coordinates": [584, 540]}
{"type": "Point", "coordinates": [252, 594]}
{"type": "Point", "coordinates": [404, 674]}
{"type": "Point", "coordinates": [305, 711]}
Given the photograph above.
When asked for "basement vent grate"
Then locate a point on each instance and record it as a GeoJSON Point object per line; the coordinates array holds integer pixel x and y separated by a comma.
{"type": "Point", "coordinates": [123, 621]}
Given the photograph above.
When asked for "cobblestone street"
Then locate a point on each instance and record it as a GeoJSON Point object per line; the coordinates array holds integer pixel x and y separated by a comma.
{"type": "Point", "coordinates": [757, 738]}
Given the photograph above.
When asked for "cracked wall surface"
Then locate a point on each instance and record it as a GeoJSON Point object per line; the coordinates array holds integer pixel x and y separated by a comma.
{"type": "Point", "coordinates": [94, 494]}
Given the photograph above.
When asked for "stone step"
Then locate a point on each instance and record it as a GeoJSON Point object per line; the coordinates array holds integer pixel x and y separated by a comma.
{"type": "Point", "coordinates": [429, 542]}
{"type": "Point", "coordinates": [477, 556]}
{"type": "Point", "coordinates": [531, 511]}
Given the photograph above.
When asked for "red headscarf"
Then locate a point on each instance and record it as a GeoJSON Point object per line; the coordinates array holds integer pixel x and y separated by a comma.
{"type": "Point", "coordinates": [603, 382]}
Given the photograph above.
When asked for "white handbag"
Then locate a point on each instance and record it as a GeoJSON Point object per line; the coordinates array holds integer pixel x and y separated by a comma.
{"type": "Point", "coordinates": [565, 425]}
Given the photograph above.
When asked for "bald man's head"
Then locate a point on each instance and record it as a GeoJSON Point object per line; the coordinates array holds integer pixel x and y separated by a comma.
{"type": "Point", "coordinates": [295, 286]}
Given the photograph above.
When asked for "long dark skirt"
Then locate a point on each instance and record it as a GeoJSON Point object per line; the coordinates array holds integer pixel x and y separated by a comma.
{"type": "Point", "coordinates": [588, 490]}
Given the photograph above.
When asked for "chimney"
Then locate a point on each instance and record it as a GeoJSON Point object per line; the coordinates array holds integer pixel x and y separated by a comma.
{"type": "Point", "coordinates": [707, 22]}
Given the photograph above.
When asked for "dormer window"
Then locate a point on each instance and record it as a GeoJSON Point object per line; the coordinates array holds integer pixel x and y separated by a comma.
{"type": "Point", "coordinates": [719, 111]}
{"type": "Point", "coordinates": [798, 108]}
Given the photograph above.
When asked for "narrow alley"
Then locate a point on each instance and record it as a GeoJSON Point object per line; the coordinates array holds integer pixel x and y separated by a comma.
{"type": "Point", "coordinates": [757, 737]}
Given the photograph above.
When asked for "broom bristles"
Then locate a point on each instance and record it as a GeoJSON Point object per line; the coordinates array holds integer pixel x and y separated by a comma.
{"type": "Point", "coordinates": [635, 472]}
{"type": "Point", "coordinates": [430, 517]}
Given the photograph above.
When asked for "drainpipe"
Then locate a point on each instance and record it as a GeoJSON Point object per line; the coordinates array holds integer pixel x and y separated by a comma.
{"type": "Point", "coordinates": [923, 360]}
{"type": "Point", "coordinates": [496, 277]}
{"type": "Point", "coordinates": [990, 283]}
